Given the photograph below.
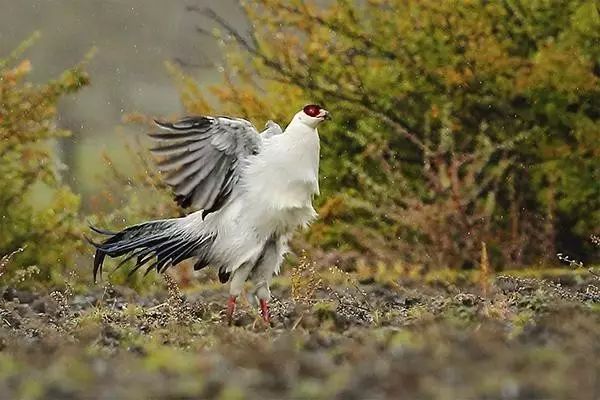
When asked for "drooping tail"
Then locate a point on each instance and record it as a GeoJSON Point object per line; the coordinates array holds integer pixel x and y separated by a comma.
{"type": "Point", "coordinates": [165, 242]}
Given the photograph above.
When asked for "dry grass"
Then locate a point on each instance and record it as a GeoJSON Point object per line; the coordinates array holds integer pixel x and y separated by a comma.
{"type": "Point", "coordinates": [6, 259]}
{"type": "Point", "coordinates": [485, 275]}
{"type": "Point", "coordinates": [305, 281]}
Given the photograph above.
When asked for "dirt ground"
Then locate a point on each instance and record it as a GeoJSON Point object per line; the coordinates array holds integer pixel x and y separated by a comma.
{"type": "Point", "coordinates": [375, 338]}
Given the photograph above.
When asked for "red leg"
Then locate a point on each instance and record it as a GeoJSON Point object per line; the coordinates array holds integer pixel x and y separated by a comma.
{"type": "Point", "coordinates": [230, 308]}
{"type": "Point", "coordinates": [264, 310]}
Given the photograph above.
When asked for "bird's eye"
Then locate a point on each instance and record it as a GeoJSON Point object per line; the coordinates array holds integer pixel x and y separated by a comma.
{"type": "Point", "coordinates": [312, 110]}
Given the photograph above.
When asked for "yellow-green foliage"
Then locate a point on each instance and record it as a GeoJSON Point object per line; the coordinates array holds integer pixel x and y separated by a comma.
{"type": "Point", "coordinates": [50, 232]}
{"type": "Point", "coordinates": [131, 198]}
{"type": "Point", "coordinates": [455, 122]}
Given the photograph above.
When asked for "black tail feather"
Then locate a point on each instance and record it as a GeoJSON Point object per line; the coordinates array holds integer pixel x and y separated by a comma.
{"type": "Point", "coordinates": [152, 266]}
{"type": "Point", "coordinates": [158, 240]}
{"type": "Point", "coordinates": [200, 264]}
{"type": "Point", "coordinates": [102, 231]}
{"type": "Point", "coordinates": [141, 261]}
{"type": "Point", "coordinates": [136, 253]}
{"type": "Point", "coordinates": [98, 261]}
{"type": "Point", "coordinates": [90, 241]}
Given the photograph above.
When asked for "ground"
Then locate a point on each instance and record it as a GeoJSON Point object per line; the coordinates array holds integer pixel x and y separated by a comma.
{"type": "Point", "coordinates": [372, 334]}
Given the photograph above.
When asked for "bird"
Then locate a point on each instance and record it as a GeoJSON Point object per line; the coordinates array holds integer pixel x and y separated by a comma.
{"type": "Point", "coordinates": [248, 191]}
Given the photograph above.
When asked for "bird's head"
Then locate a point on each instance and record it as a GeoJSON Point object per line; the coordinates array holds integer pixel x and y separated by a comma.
{"type": "Point", "coordinates": [312, 115]}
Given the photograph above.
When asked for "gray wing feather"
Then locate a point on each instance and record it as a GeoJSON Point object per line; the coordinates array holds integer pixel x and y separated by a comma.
{"type": "Point", "coordinates": [175, 162]}
{"type": "Point", "coordinates": [203, 157]}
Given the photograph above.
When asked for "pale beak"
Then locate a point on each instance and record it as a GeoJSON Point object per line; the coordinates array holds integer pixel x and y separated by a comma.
{"type": "Point", "coordinates": [325, 114]}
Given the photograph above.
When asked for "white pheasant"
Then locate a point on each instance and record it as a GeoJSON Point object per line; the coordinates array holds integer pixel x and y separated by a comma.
{"type": "Point", "coordinates": [251, 190]}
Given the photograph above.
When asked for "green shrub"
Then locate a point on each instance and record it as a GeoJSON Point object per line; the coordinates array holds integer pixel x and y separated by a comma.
{"type": "Point", "coordinates": [455, 122]}
{"type": "Point", "coordinates": [38, 212]}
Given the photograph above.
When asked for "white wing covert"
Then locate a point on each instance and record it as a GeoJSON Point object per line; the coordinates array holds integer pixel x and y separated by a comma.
{"type": "Point", "coordinates": [271, 129]}
{"type": "Point", "coordinates": [203, 158]}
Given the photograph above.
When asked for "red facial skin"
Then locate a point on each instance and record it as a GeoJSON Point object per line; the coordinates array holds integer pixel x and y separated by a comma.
{"type": "Point", "coordinates": [312, 110]}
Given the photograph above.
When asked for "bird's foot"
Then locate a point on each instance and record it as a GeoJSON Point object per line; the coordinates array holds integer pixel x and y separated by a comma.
{"type": "Point", "coordinates": [264, 311]}
{"type": "Point", "coordinates": [231, 309]}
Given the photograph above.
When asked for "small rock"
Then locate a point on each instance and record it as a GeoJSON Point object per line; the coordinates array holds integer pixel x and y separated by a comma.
{"type": "Point", "coordinates": [22, 309]}
{"type": "Point", "coordinates": [23, 297]}
{"type": "Point", "coordinates": [9, 294]}
{"type": "Point", "coordinates": [39, 306]}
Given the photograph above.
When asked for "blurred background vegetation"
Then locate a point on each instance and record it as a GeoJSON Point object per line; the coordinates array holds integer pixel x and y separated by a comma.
{"type": "Point", "coordinates": [455, 122]}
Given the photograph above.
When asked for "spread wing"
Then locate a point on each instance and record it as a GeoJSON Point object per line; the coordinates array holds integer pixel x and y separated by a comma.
{"type": "Point", "coordinates": [203, 156]}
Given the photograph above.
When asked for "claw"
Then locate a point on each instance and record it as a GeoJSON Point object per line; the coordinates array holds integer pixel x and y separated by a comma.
{"type": "Point", "coordinates": [264, 311]}
{"type": "Point", "coordinates": [230, 309]}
